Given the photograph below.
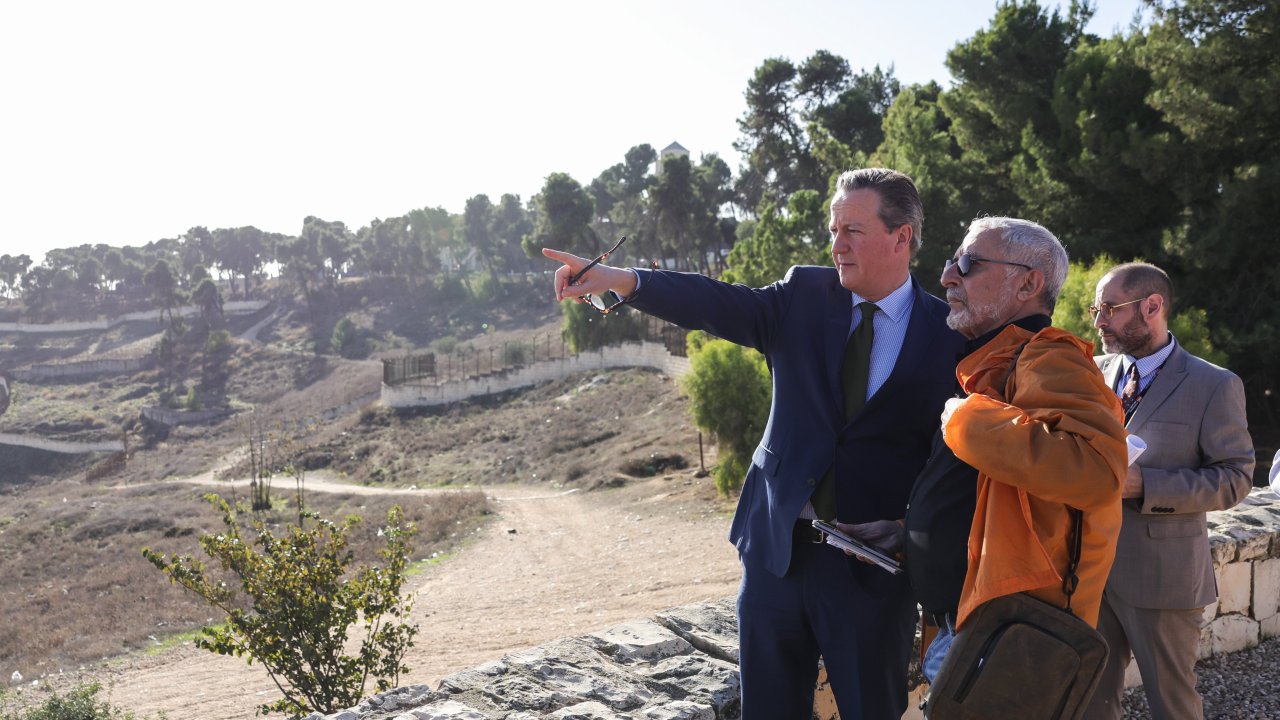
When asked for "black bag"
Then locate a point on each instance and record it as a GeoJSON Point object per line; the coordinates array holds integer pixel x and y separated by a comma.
{"type": "Point", "coordinates": [1020, 657]}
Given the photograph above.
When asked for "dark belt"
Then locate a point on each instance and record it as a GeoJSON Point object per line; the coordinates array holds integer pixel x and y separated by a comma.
{"type": "Point", "coordinates": [805, 532]}
{"type": "Point", "coordinates": [942, 619]}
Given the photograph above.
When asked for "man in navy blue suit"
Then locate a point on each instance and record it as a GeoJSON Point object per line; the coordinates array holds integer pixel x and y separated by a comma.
{"type": "Point", "coordinates": [800, 599]}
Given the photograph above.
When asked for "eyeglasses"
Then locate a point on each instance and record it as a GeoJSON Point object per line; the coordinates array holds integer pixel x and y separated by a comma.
{"type": "Point", "coordinates": [965, 263]}
{"type": "Point", "coordinates": [1107, 310]}
{"type": "Point", "coordinates": [608, 302]}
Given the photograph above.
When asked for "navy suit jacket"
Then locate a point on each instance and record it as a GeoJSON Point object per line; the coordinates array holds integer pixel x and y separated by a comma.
{"type": "Point", "coordinates": [801, 325]}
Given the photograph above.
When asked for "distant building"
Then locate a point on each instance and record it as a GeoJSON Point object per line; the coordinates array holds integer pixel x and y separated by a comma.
{"type": "Point", "coordinates": [674, 149]}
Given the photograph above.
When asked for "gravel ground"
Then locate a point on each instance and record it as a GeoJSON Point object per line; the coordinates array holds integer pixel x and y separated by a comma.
{"type": "Point", "coordinates": [1240, 686]}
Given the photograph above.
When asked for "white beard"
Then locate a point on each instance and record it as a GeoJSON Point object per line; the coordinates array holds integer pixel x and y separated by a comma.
{"type": "Point", "coordinates": [974, 320]}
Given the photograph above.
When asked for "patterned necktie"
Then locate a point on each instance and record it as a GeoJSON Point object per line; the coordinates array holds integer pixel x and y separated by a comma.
{"type": "Point", "coordinates": [1129, 396]}
{"type": "Point", "coordinates": [854, 371]}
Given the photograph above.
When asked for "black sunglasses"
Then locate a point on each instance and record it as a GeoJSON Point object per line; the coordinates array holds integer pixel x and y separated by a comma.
{"type": "Point", "coordinates": [965, 263]}
{"type": "Point", "coordinates": [608, 302]}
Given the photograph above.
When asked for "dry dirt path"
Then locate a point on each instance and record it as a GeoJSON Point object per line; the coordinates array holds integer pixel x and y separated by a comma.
{"type": "Point", "coordinates": [550, 564]}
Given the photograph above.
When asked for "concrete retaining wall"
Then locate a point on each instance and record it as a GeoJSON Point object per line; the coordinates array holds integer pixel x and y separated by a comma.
{"type": "Point", "coordinates": [238, 307]}
{"type": "Point", "coordinates": [61, 446]}
{"type": "Point", "coordinates": [84, 368]}
{"type": "Point", "coordinates": [643, 354]}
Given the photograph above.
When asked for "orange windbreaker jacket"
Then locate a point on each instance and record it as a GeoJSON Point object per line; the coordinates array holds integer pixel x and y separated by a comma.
{"type": "Point", "coordinates": [1047, 436]}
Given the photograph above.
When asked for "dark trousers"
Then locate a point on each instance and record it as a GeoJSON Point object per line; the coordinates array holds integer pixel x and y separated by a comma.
{"type": "Point", "coordinates": [857, 617]}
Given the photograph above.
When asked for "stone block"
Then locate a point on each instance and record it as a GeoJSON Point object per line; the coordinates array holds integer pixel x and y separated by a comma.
{"type": "Point", "coordinates": [1205, 649]}
{"type": "Point", "coordinates": [444, 710]}
{"type": "Point", "coordinates": [1223, 550]}
{"type": "Point", "coordinates": [679, 710]}
{"type": "Point", "coordinates": [1210, 612]}
{"type": "Point", "coordinates": [1235, 582]}
{"type": "Point", "coordinates": [711, 627]}
{"type": "Point", "coordinates": [640, 641]}
{"type": "Point", "coordinates": [1266, 588]}
{"type": "Point", "coordinates": [1252, 542]}
{"type": "Point", "coordinates": [1270, 627]}
{"type": "Point", "coordinates": [698, 679]}
{"type": "Point", "coordinates": [1232, 633]}
{"type": "Point", "coordinates": [590, 710]}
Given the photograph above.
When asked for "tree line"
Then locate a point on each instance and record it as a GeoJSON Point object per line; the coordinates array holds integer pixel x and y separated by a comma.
{"type": "Point", "coordinates": [1158, 143]}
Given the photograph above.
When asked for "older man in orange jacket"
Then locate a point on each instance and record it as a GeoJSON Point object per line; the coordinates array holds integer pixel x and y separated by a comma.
{"type": "Point", "coordinates": [1038, 423]}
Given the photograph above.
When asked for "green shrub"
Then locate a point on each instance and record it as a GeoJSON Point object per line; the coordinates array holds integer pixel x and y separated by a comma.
{"type": "Point", "coordinates": [729, 391]}
{"type": "Point", "coordinates": [516, 354]}
{"type": "Point", "coordinates": [78, 704]}
{"type": "Point", "coordinates": [300, 601]}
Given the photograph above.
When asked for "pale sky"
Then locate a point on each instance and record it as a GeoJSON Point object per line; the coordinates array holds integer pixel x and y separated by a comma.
{"type": "Point", "coordinates": [125, 122]}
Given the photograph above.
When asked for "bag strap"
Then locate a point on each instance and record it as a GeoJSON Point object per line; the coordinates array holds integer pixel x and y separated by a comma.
{"type": "Point", "coordinates": [1075, 543]}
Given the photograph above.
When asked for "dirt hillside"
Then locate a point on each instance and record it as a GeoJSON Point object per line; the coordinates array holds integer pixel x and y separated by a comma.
{"type": "Point", "coordinates": [551, 563]}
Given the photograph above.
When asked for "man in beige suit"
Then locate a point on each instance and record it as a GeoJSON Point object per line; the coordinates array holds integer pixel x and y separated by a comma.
{"type": "Point", "coordinates": [1199, 458]}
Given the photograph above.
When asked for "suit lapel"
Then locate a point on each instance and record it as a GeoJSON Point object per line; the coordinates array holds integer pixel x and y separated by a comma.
{"type": "Point", "coordinates": [1110, 366]}
{"type": "Point", "coordinates": [1165, 382]}
{"type": "Point", "coordinates": [836, 334]}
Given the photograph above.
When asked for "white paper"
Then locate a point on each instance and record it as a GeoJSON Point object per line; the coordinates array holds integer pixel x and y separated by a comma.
{"type": "Point", "coordinates": [1137, 446]}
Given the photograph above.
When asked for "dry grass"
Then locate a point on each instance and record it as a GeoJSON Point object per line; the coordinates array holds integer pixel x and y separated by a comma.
{"type": "Point", "coordinates": [78, 590]}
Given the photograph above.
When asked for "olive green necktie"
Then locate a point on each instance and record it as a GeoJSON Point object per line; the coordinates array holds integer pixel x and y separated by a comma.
{"type": "Point", "coordinates": [853, 379]}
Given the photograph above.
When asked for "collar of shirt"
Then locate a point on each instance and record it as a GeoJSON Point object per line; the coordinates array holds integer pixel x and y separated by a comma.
{"type": "Point", "coordinates": [894, 306]}
{"type": "Point", "coordinates": [1147, 365]}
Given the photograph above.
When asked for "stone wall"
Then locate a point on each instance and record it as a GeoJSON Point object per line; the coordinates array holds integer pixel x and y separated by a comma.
{"type": "Point", "coordinates": [682, 663]}
{"type": "Point", "coordinates": [642, 354]}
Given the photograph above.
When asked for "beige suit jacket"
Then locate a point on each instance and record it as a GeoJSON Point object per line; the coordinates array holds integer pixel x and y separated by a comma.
{"type": "Point", "coordinates": [1199, 458]}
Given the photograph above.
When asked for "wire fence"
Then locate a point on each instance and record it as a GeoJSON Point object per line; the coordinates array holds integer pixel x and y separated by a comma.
{"type": "Point", "coordinates": [463, 364]}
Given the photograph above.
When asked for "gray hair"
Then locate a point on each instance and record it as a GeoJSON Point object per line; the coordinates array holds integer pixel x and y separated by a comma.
{"type": "Point", "coordinates": [899, 200]}
{"type": "Point", "coordinates": [1030, 244]}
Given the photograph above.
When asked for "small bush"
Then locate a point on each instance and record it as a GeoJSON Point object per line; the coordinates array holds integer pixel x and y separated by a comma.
{"type": "Point", "coordinates": [653, 465]}
{"type": "Point", "coordinates": [302, 601]}
{"type": "Point", "coordinates": [517, 354]}
{"type": "Point", "coordinates": [445, 345]}
{"type": "Point", "coordinates": [78, 704]}
{"type": "Point", "coordinates": [729, 391]}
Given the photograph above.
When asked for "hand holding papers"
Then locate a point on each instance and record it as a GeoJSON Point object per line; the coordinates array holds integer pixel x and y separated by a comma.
{"type": "Point", "coordinates": [834, 536]}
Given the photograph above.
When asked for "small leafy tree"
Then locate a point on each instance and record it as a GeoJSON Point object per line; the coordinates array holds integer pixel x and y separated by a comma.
{"type": "Point", "coordinates": [584, 328]}
{"type": "Point", "coordinates": [344, 334]}
{"type": "Point", "coordinates": [729, 394]}
{"type": "Point", "coordinates": [297, 602]}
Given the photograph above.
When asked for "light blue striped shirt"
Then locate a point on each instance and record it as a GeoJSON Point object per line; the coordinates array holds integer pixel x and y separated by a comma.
{"type": "Point", "coordinates": [890, 330]}
{"type": "Point", "coordinates": [1146, 366]}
